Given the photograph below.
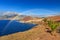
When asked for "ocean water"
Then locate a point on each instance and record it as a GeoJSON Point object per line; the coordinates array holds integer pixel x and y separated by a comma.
{"type": "Point", "coordinates": [8, 27]}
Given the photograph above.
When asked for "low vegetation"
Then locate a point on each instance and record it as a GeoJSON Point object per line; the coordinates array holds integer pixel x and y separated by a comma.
{"type": "Point", "coordinates": [53, 25]}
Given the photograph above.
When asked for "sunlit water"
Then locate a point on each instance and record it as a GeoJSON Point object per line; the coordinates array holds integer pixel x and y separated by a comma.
{"type": "Point", "coordinates": [13, 27]}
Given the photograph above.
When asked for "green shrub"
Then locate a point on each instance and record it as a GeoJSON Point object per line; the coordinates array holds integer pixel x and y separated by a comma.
{"type": "Point", "coordinates": [53, 25]}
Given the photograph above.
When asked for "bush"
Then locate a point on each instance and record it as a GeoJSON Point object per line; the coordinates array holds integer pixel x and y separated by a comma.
{"type": "Point", "coordinates": [53, 25]}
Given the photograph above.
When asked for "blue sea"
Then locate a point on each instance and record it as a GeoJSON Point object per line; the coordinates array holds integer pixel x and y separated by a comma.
{"type": "Point", "coordinates": [12, 26]}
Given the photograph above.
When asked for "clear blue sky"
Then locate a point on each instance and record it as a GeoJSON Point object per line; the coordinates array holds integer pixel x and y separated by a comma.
{"type": "Point", "coordinates": [24, 5]}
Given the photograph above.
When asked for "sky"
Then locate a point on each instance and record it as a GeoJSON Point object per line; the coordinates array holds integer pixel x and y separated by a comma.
{"type": "Point", "coordinates": [31, 6]}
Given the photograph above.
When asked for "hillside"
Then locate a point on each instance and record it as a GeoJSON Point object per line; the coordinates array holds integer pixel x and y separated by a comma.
{"type": "Point", "coordinates": [54, 18]}
{"type": "Point", "coordinates": [36, 33]}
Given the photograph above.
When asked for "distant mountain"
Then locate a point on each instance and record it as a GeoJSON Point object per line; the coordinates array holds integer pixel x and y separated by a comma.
{"type": "Point", "coordinates": [6, 15]}
{"type": "Point", "coordinates": [10, 13]}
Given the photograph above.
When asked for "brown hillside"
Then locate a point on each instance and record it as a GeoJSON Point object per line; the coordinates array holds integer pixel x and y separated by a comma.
{"type": "Point", "coordinates": [54, 18]}
{"type": "Point", "coordinates": [27, 18]}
